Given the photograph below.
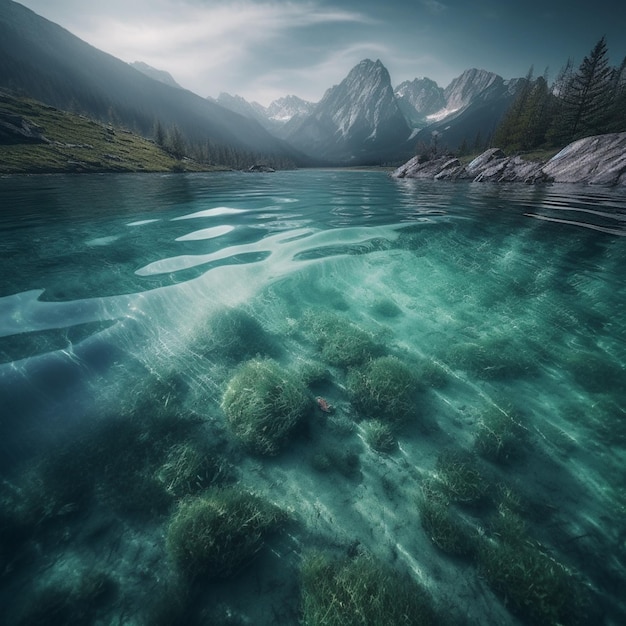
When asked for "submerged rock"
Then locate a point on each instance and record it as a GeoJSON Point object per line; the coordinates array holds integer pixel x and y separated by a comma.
{"type": "Point", "coordinates": [598, 160]}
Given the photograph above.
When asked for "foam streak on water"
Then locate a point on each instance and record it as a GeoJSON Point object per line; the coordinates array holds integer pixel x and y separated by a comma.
{"type": "Point", "coordinates": [129, 303]}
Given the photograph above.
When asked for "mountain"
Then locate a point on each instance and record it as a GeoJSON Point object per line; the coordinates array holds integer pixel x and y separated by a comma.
{"type": "Point", "coordinates": [419, 98]}
{"type": "Point", "coordinates": [475, 102]}
{"type": "Point", "coordinates": [50, 64]}
{"type": "Point", "coordinates": [279, 118]}
{"type": "Point", "coordinates": [237, 104]}
{"type": "Point", "coordinates": [472, 84]}
{"type": "Point", "coordinates": [160, 75]}
{"type": "Point", "coordinates": [358, 121]}
{"type": "Point", "coordinates": [363, 120]}
{"type": "Point", "coordinates": [289, 107]}
{"type": "Point", "coordinates": [37, 138]}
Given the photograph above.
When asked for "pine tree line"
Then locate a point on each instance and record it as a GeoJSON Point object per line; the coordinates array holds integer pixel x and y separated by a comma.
{"type": "Point", "coordinates": [588, 101]}
{"type": "Point", "coordinates": [214, 153]}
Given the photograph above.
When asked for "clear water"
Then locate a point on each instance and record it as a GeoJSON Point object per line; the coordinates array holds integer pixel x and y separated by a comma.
{"type": "Point", "coordinates": [508, 301]}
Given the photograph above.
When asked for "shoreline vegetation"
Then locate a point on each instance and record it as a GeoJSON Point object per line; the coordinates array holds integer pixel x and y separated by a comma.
{"type": "Point", "coordinates": [36, 138]}
{"type": "Point", "coordinates": [39, 139]}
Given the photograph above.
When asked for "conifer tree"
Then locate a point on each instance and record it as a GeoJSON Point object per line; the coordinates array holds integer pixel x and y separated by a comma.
{"type": "Point", "coordinates": [589, 94]}
{"type": "Point", "coordinates": [558, 132]}
{"type": "Point", "coordinates": [536, 119]}
{"type": "Point", "coordinates": [159, 134]}
{"type": "Point", "coordinates": [510, 131]}
{"type": "Point", "coordinates": [617, 121]}
{"type": "Point", "coordinates": [176, 143]}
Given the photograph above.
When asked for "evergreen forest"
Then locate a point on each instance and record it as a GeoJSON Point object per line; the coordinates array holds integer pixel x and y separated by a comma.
{"type": "Point", "coordinates": [590, 100]}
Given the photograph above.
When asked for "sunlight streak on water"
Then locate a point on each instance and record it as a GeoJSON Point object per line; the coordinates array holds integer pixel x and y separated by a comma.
{"type": "Point", "coordinates": [507, 301]}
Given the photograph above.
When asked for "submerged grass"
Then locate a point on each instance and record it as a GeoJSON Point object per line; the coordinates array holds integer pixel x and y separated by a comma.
{"type": "Point", "coordinates": [216, 534]}
{"type": "Point", "coordinates": [264, 403]}
{"type": "Point", "coordinates": [341, 343]}
{"type": "Point", "coordinates": [361, 590]}
{"type": "Point", "coordinates": [379, 436]}
{"type": "Point", "coordinates": [532, 583]}
{"type": "Point", "coordinates": [233, 334]}
{"type": "Point", "coordinates": [156, 463]}
{"type": "Point", "coordinates": [385, 389]}
{"type": "Point", "coordinates": [443, 525]}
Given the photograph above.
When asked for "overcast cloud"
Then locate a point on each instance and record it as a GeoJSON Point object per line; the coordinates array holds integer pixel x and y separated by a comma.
{"type": "Point", "coordinates": [263, 49]}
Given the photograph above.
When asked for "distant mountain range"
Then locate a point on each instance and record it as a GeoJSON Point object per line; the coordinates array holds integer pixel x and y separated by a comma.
{"type": "Point", "coordinates": [362, 120]}
{"type": "Point", "coordinates": [365, 120]}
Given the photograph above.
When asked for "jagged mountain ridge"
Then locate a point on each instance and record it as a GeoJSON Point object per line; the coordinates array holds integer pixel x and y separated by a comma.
{"type": "Point", "coordinates": [419, 98]}
{"type": "Point", "coordinates": [287, 108]}
{"type": "Point", "coordinates": [47, 62]}
{"type": "Point", "coordinates": [240, 105]}
{"type": "Point", "coordinates": [475, 103]}
{"type": "Point", "coordinates": [356, 121]}
{"type": "Point", "coordinates": [278, 118]}
{"type": "Point", "coordinates": [363, 120]}
{"type": "Point", "coordinates": [464, 88]}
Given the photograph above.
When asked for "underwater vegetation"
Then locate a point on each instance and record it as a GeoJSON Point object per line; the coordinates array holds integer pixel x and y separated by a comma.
{"type": "Point", "coordinates": [457, 481]}
{"type": "Point", "coordinates": [361, 590]}
{"type": "Point", "coordinates": [155, 396]}
{"type": "Point", "coordinates": [430, 374]}
{"type": "Point", "coordinates": [189, 469]}
{"type": "Point", "coordinates": [532, 583]}
{"type": "Point", "coordinates": [520, 570]}
{"type": "Point", "coordinates": [340, 342]}
{"type": "Point", "coordinates": [500, 435]}
{"type": "Point", "coordinates": [120, 463]}
{"type": "Point", "coordinates": [385, 389]}
{"type": "Point", "coordinates": [442, 524]}
{"type": "Point", "coordinates": [263, 404]}
{"type": "Point", "coordinates": [492, 358]}
{"type": "Point", "coordinates": [459, 476]}
{"type": "Point", "coordinates": [234, 335]}
{"type": "Point", "coordinates": [216, 534]}
{"type": "Point", "coordinates": [379, 436]}
{"type": "Point", "coordinates": [313, 374]}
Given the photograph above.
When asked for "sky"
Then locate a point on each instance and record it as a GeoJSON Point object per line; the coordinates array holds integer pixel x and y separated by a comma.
{"type": "Point", "coordinates": [265, 49]}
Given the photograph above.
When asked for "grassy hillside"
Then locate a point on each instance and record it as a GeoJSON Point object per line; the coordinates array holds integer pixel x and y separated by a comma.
{"type": "Point", "coordinates": [78, 144]}
{"type": "Point", "coordinates": [44, 61]}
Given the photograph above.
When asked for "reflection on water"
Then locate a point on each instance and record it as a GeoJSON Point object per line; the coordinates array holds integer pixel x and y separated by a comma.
{"type": "Point", "coordinates": [456, 354]}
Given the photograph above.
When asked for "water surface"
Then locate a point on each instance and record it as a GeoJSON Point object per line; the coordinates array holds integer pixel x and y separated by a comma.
{"type": "Point", "coordinates": [128, 303]}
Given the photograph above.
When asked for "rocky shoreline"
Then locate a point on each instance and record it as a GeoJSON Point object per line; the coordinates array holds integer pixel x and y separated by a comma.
{"type": "Point", "coordinates": [598, 160]}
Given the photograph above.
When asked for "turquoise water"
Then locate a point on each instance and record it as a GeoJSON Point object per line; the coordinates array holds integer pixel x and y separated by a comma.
{"type": "Point", "coordinates": [130, 304]}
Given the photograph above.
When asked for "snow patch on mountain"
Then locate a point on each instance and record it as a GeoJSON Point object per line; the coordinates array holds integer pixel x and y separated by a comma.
{"type": "Point", "coordinates": [286, 108]}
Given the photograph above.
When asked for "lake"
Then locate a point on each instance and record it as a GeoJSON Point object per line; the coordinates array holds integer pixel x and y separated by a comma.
{"type": "Point", "coordinates": [316, 396]}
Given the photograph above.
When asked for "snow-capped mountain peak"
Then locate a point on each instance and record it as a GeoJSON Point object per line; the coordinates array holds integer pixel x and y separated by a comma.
{"type": "Point", "coordinates": [359, 115]}
{"type": "Point", "coordinates": [286, 108]}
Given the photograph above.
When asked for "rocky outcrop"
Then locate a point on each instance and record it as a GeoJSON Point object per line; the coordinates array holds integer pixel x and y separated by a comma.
{"type": "Point", "coordinates": [260, 167]}
{"type": "Point", "coordinates": [598, 160]}
{"type": "Point", "coordinates": [17, 129]}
